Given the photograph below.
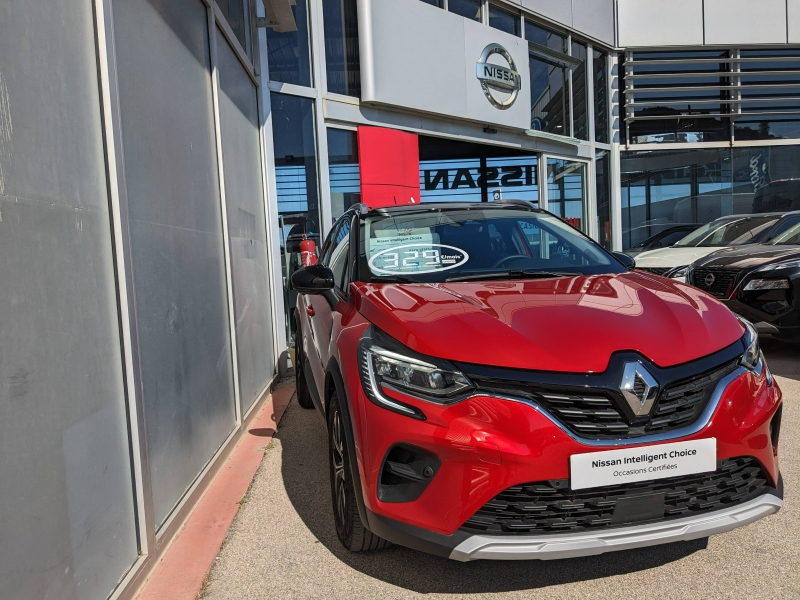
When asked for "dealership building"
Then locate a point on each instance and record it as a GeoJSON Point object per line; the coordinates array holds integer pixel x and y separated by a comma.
{"type": "Point", "coordinates": [160, 161]}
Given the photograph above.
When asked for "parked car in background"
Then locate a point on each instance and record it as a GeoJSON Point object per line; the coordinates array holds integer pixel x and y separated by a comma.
{"type": "Point", "coordinates": [496, 385]}
{"type": "Point", "coordinates": [778, 195]}
{"type": "Point", "coordinates": [663, 239]}
{"type": "Point", "coordinates": [760, 282]}
{"type": "Point", "coordinates": [733, 230]}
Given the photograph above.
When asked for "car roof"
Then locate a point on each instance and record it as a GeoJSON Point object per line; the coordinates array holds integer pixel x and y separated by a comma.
{"type": "Point", "coordinates": [751, 215]}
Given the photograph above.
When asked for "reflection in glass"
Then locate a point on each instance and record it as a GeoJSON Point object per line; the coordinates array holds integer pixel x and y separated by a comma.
{"type": "Point", "coordinates": [599, 66]}
{"type": "Point", "coordinates": [344, 170]}
{"type": "Point", "coordinates": [455, 180]}
{"type": "Point", "coordinates": [296, 179]}
{"type": "Point", "coordinates": [437, 3]}
{"type": "Point", "coordinates": [566, 191]}
{"type": "Point", "coordinates": [662, 189]}
{"type": "Point", "coordinates": [512, 177]}
{"type": "Point", "coordinates": [580, 123]}
{"type": "Point", "coordinates": [549, 102]}
{"type": "Point", "coordinates": [289, 52]}
{"type": "Point", "coordinates": [504, 20]}
{"type": "Point", "coordinates": [342, 58]}
{"type": "Point", "coordinates": [602, 167]}
{"type": "Point", "coordinates": [471, 9]}
{"type": "Point", "coordinates": [236, 16]}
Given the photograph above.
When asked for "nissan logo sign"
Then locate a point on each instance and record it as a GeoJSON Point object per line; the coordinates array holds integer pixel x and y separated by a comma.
{"type": "Point", "coordinates": [709, 280]}
{"type": "Point", "coordinates": [497, 77]}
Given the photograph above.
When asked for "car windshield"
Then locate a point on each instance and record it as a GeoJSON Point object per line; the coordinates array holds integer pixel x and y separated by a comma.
{"type": "Point", "coordinates": [789, 237]}
{"type": "Point", "coordinates": [448, 245]}
{"type": "Point", "coordinates": [733, 232]}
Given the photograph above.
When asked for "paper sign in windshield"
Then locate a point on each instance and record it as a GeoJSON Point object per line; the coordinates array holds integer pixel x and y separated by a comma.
{"type": "Point", "coordinates": [417, 258]}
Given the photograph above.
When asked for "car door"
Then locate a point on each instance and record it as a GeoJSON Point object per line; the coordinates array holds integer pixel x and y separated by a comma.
{"type": "Point", "coordinates": [336, 259]}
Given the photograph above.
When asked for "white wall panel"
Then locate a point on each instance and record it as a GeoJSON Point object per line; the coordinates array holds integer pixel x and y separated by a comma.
{"type": "Point", "coordinates": [659, 23]}
{"type": "Point", "coordinates": [793, 18]}
{"type": "Point", "coordinates": [737, 22]}
{"type": "Point", "coordinates": [560, 12]}
{"type": "Point", "coordinates": [594, 18]}
{"type": "Point", "coordinates": [416, 56]}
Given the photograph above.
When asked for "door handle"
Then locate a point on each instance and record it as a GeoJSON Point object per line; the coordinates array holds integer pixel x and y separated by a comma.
{"type": "Point", "coordinates": [310, 310]}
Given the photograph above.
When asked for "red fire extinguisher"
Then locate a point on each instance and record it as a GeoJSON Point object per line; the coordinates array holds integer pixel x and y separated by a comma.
{"type": "Point", "coordinates": [308, 252]}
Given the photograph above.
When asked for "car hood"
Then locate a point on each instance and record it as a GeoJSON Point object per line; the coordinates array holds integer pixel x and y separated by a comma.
{"type": "Point", "coordinates": [570, 324]}
{"type": "Point", "coordinates": [673, 257]}
{"type": "Point", "coordinates": [748, 257]}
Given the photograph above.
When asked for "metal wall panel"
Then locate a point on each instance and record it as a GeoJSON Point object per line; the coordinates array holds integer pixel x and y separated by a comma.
{"type": "Point", "coordinates": [67, 526]}
{"type": "Point", "coordinates": [739, 22]}
{"type": "Point", "coordinates": [244, 196]}
{"type": "Point", "coordinates": [416, 56]}
{"type": "Point", "coordinates": [169, 148]}
{"type": "Point", "coordinates": [594, 18]}
{"type": "Point", "coordinates": [561, 12]}
{"type": "Point", "coordinates": [793, 20]}
{"type": "Point", "coordinates": [659, 23]}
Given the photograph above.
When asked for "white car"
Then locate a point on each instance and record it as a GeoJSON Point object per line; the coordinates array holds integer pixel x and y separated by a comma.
{"type": "Point", "coordinates": [733, 230]}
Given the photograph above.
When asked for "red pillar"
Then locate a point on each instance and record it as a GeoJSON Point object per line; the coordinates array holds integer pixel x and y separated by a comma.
{"type": "Point", "coordinates": [389, 165]}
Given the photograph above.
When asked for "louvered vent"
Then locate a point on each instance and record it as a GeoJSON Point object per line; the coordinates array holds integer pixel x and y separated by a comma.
{"type": "Point", "coordinates": [709, 95]}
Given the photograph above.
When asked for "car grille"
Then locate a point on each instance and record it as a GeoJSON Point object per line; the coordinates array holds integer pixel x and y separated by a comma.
{"type": "Point", "coordinates": [655, 270]}
{"type": "Point", "coordinates": [551, 507]}
{"type": "Point", "coordinates": [721, 285]}
{"type": "Point", "coordinates": [596, 414]}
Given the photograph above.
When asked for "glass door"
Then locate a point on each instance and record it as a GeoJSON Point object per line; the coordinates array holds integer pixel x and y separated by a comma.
{"type": "Point", "coordinates": [567, 192]}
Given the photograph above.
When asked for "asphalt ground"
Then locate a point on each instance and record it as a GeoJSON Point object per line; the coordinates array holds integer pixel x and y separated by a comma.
{"type": "Point", "coordinates": [283, 543]}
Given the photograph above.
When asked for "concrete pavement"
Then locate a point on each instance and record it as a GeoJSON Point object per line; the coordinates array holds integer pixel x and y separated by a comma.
{"type": "Point", "coordinates": [283, 544]}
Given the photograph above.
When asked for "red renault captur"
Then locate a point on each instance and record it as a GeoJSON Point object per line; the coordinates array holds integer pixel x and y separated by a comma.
{"type": "Point", "coordinates": [496, 385]}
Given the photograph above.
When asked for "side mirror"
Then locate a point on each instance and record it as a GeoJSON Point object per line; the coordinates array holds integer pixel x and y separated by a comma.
{"type": "Point", "coordinates": [315, 279]}
{"type": "Point", "coordinates": [626, 260]}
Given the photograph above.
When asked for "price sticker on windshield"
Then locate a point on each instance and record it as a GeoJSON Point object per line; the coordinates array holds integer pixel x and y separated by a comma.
{"type": "Point", "coordinates": [417, 258]}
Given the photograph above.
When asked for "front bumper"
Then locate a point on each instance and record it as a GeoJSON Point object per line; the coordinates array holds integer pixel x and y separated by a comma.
{"type": "Point", "coordinates": [548, 547]}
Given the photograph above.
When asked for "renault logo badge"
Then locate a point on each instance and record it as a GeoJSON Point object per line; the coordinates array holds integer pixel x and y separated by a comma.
{"type": "Point", "coordinates": [498, 77]}
{"type": "Point", "coordinates": [639, 388]}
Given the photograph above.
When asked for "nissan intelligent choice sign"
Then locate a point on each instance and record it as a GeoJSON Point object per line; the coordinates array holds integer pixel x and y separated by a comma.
{"type": "Point", "coordinates": [614, 467]}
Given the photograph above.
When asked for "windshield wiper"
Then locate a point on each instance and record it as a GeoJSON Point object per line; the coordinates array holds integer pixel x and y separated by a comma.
{"type": "Point", "coordinates": [512, 274]}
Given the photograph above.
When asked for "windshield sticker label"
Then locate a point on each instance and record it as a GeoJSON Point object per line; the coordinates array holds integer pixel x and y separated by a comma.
{"type": "Point", "coordinates": [417, 258]}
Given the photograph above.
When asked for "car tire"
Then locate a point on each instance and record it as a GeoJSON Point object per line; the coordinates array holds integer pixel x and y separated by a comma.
{"type": "Point", "coordinates": [300, 382]}
{"type": "Point", "coordinates": [352, 533]}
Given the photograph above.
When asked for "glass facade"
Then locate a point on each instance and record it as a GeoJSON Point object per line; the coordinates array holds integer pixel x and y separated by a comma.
{"type": "Point", "coordinates": [504, 20]}
{"type": "Point", "coordinates": [342, 58]}
{"type": "Point", "coordinates": [289, 52]}
{"type": "Point", "coordinates": [580, 109]}
{"type": "Point", "coordinates": [549, 78]}
{"type": "Point", "coordinates": [600, 82]}
{"type": "Point", "coordinates": [294, 144]}
{"type": "Point", "coordinates": [567, 191]}
{"type": "Point", "coordinates": [343, 170]}
{"type": "Point", "coordinates": [471, 9]}
{"type": "Point", "coordinates": [602, 173]}
{"type": "Point", "coordinates": [665, 188]}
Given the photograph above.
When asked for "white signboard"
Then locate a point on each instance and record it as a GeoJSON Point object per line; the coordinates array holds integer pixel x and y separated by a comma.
{"type": "Point", "coordinates": [614, 467]}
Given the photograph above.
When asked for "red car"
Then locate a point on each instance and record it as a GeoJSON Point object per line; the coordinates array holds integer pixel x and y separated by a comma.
{"type": "Point", "coordinates": [496, 385]}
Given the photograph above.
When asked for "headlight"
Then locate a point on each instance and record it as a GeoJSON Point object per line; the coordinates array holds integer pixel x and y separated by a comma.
{"type": "Point", "coordinates": [767, 284]}
{"type": "Point", "coordinates": [751, 359]}
{"type": "Point", "coordinates": [384, 362]}
{"type": "Point", "coordinates": [677, 272]}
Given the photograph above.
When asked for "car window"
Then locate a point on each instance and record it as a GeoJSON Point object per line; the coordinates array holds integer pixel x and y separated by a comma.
{"type": "Point", "coordinates": [784, 225]}
{"type": "Point", "coordinates": [728, 233]}
{"type": "Point", "coordinates": [327, 248]}
{"type": "Point", "coordinates": [435, 246]}
{"type": "Point", "coordinates": [789, 237]}
{"type": "Point", "coordinates": [671, 238]}
{"type": "Point", "coordinates": [339, 253]}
